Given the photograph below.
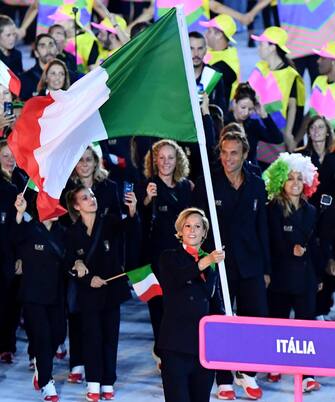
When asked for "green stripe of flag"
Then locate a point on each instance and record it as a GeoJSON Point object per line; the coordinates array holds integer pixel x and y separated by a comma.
{"type": "Point", "coordinates": [148, 86]}
{"type": "Point", "coordinates": [139, 274]}
{"type": "Point", "coordinates": [32, 186]}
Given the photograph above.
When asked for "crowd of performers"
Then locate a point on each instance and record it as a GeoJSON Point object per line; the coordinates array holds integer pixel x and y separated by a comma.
{"type": "Point", "coordinates": [273, 173]}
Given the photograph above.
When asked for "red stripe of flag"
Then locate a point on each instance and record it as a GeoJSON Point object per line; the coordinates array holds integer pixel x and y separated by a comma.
{"type": "Point", "coordinates": [23, 141]}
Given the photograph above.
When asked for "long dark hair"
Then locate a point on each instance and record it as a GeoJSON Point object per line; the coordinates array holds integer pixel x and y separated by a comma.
{"type": "Point", "coordinates": [283, 56]}
{"type": "Point", "coordinates": [71, 199]}
{"type": "Point", "coordinates": [329, 137]}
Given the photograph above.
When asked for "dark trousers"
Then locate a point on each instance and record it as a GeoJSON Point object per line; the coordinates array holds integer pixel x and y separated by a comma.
{"type": "Point", "coordinates": [75, 340]}
{"type": "Point", "coordinates": [46, 331]}
{"type": "Point", "coordinates": [304, 306]}
{"type": "Point", "coordinates": [251, 301]}
{"type": "Point", "coordinates": [10, 315]}
{"type": "Point", "coordinates": [280, 305]}
{"type": "Point", "coordinates": [307, 62]}
{"type": "Point", "coordinates": [100, 341]}
{"type": "Point", "coordinates": [184, 379]}
{"type": "Point", "coordinates": [155, 306]}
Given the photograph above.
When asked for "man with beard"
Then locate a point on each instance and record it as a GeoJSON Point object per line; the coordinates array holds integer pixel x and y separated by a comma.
{"type": "Point", "coordinates": [211, 80]}
{"type": "Point", "coordinates": [45, 50]}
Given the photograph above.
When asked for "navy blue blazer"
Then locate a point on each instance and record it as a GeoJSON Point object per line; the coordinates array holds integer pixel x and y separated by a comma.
{"type": "Point", "coordinates": [104, 262]}
{"type": "Point", "coordinates": [242, 223]}
{"type": "Point", "coordinates": [187, 298]}
{"type": "Point", "coordinates": [291, 274]}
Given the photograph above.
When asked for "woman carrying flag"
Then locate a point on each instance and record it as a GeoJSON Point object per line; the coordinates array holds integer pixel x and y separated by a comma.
{"type": "Point", "coordinates": [190, 291]}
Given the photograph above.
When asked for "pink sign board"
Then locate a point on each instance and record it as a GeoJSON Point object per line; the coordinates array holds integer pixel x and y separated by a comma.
{"type": "Point", "coordinates": [268, 345]}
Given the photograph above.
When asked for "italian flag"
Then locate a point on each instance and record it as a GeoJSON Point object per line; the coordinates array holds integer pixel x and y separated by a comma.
{"type": "Point", "coordinates": [145, 283]}
{"type": "Point", "coordinates": [32, 186]}
{"type": "Point", "coordinates": [142, 89]}
{"type": "Point", "coordinates": [209, 79]}
{"type": "Point", "coordinates": [9, 80]}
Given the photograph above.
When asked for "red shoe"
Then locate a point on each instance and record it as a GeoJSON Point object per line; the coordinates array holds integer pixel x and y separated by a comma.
{"type": "Point", "coordinates": [75, 378]}
{"type": "Point", "coordinates": [107, 396]}
{"type": "Point", "coordinates": [274, 377]}
{"type": "Point", "coordinates": [92, 397]}
{"type": "Point", "coordinates": [6, 357]}
{"type": "Point", "coordinates": [309, 384]}
{"type": "Point", "coordinates": [226, 392]}
{"type": "Point", "coordinates": [249, 384]}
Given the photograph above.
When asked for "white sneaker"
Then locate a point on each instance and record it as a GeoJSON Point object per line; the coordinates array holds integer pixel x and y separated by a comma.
{"type": "Point", "coordinates": [49, 392]}
{"type": "Point", "coordinates": [249, 384]}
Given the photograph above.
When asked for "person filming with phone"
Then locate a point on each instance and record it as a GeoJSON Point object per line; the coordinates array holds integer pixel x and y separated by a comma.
{"type": "Point", "coordinates": [7, 116]}
{"type": "Point", "coordinates": [164, 194]}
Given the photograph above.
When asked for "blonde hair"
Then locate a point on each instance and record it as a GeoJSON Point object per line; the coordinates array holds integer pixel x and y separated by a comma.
{"type": "Point", "coordinates": [180, 222]}
{"type": "Point", "coordinates": [182, 169]}
{"type": "Point", "coordinates": [99, 173]}
{"type": "Point", "coordinates": [287, 205]}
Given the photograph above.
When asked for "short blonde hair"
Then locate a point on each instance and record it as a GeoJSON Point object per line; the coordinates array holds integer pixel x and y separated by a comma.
{"type": "Point", "coordinates": [182, 169]}
{"type": "Point", "coordinates": [180, 222]}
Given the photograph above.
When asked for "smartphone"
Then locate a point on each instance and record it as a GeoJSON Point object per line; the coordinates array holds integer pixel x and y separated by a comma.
{"type": "Point", "coordinates": [326, 200]}
{"type": "Point", "coordinates": [201, 91]}
{"type": "Point", "coordinates": [127, 187]}
{"type": "Point", "coordinates": [8, 108]}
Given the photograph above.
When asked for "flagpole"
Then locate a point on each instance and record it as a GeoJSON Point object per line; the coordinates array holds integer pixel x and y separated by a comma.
{"type": "Point", "coordinates": [185, 44]}
{"type": "Point", "coordinates": [25, 187]}
{"type": "Point", "coordinates": [115, 277]}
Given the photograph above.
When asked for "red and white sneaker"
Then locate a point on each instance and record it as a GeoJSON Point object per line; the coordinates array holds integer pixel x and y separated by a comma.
{"type": "Point", "coordinates": [75, 378]}
{"type": "Point", "coordinates": [61, 352]}
{"type": "Point", "coordinates": [93, 391]}
{"type": "Point", "coordinates": [226, 392]}
{"type": "Point", "coordinates": [274, 377]}
{"type": "Point", "coordinates": [249, 384]}
{"type": "Point", "coordinates": [107, 396]}
{"type": "Point", "coordinates": [49, 393]}
{"type": "Point", "coordinates": [107, 392]}
{"type": "Point", "coordinates": [35, 377]}
{"type": "Point", "coordinates": [310, 384]}
{"type": "Point", "coordinates": [92, 396]}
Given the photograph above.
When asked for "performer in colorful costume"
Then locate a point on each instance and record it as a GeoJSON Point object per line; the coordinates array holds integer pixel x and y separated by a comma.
{"type": "Point", "coordinates": [322, 100]}
{"type": "Point", "coordinates": [280, 89]}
